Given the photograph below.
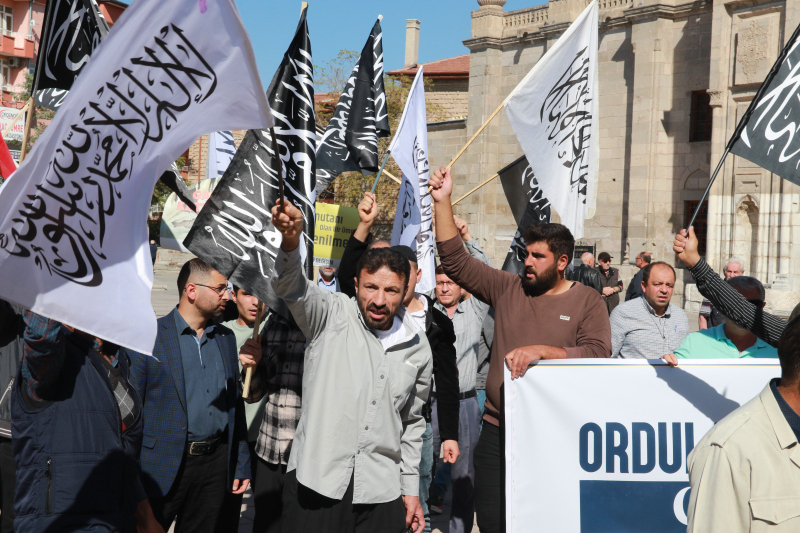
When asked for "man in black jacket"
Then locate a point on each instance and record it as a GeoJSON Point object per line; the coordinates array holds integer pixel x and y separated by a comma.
{"type": "Point", "coordinates": [12, 328]}
{"type": "Point", "coordinates": [441, 337]}
{"type": "Point", "coordinates": [586, 274]}
{"type": "Point", "coordinates": [609, 279]}
{"type": "Point", "coordinates": [635, 287]}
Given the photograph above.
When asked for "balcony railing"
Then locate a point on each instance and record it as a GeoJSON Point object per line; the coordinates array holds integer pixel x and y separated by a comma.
{"type": "Point", "coordinates": [16, 45]}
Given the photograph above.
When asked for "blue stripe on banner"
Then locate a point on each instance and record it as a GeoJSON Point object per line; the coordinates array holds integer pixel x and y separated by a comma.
{"type": "Point", "coordinates": [633, 506]}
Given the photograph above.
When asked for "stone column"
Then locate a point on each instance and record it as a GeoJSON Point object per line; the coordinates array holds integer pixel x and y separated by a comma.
{"type": "Point", "coordinates": [480, 161]}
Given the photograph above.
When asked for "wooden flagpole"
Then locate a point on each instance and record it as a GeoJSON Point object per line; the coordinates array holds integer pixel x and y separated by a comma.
{"type": "Point", "coordinates": [19, 115]}
{"type": "Point", "coordinates": [27, 133]}
{"type": "Point", "coordinates": [469, 142]}
{"type": "Point", "coordinates": [476, 188]}
{"type": "Point", "coordinates": [395, 178]}
{"type": "Point", "coordinates": [256, 327]}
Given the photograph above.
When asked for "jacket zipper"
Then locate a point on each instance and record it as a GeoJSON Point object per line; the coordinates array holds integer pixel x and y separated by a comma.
{"type": "Point", "coordinates": [48, 472]}
{"type": "Point", "coordinates": [3, 399]}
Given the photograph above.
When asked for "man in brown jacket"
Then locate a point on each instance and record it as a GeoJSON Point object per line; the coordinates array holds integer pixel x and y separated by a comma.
{"type": "Point", "coordinates": [539, 315]}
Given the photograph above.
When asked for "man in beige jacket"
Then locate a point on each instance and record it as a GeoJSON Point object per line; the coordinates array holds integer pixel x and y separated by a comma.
{"type": "Point", "coordinates": [745, 473]}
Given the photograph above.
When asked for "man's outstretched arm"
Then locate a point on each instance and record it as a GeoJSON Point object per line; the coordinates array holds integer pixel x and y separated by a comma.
{"type": "Point", "coordinates": [725, 298]}
{"type": "Point", "coordinates": [476, 277]}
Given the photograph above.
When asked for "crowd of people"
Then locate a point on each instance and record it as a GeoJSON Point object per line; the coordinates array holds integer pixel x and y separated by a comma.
{"type": "Point", "coordinates": [368, 400]}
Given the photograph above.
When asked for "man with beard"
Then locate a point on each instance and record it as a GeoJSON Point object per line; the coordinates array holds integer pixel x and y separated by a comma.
{"type": "Point", "coordinates": [538, 315]}
{"type": "Point", "coordinates": [354, 465]}
{"type": "Point", "coordinates": [441, 337]}
{"type": "Point", "coordinates": [195, 437]}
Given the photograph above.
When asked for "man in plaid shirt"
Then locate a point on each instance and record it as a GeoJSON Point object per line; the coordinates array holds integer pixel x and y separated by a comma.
{"type": "Point", "coordinates": [279, 376]}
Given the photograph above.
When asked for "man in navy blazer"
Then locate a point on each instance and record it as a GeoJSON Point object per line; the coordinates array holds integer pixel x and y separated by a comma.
{"type": "Point", "coordinates": [195, 437]}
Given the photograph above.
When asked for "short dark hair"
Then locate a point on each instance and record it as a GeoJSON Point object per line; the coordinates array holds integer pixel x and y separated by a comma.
{"type": "Point", "coordinates": [439, 270]}
{"type": "Point", "coordinates": [789, 352]}
{"type": "Point", "coordinates": [376, 258]}
{"type": "Point", "coordinates": [557, 236]}
{"type": "Point", "coordinates": [744, 283]}
{"type": "Point", "coordinates": [645, 256]}
{"type": "Point", "coordinates": [646, 270]}
{"type": "Point", "coordinates": [194, 268]}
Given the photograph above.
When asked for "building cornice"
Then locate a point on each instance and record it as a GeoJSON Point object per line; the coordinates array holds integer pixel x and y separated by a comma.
{"type": "Point", "coordinates": [485, 42]}
{"type": "Point", "coordinates": [529, 33]}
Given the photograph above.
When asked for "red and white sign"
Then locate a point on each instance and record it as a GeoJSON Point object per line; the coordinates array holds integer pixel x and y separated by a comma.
{"type": "Point", "coordinates": [7, 116]}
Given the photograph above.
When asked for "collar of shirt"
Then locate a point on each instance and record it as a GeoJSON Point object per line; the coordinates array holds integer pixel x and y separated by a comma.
{"type": "Point", "coordinates": [460, 308]}
{"type": "Point", "coordinates": [408, 327]}
{"type": "Point", "coordinates": [791, 416]}
{"type": "Point", "coordinates": [321, 280]}
{"type": "Point", "coordinates": [667, 313]}
{"type": "Point", "coordinates": [718, 333]}
{"type": "Point", "coordinates": [185, 329]}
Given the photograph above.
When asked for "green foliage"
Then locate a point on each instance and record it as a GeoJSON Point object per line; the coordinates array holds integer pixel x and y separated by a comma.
{"type": "Point", "coordinates": [42, 115]}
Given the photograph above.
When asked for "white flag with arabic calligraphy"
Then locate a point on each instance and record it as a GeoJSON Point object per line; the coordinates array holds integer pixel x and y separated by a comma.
{"type": "Point", "coordinates": [554, 113]}
{"type": "Point", "coordinates": [413, 222]}
{"type": "Point", "coordinates": [73, 237]}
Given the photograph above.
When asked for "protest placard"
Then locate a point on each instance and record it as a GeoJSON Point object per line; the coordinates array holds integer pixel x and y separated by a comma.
{"type": "Point", "coordinates": [334, 226]}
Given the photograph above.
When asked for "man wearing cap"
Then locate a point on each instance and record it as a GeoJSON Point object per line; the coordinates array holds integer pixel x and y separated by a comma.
{"type": "Point", "coordinates": [609, 279]}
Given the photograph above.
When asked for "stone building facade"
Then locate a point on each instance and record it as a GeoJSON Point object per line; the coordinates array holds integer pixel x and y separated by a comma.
{"type": "Point", "coordinates": [674, 78]}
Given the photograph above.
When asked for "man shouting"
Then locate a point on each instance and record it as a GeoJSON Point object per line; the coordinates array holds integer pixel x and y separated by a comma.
{"type": "Point", "coordinates": [355, 460]}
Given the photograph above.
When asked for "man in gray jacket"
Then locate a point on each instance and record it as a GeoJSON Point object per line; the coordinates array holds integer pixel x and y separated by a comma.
{"type": "Point", "coordinates": [355, 459]}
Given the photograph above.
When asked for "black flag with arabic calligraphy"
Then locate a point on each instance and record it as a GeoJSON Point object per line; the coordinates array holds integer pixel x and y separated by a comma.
{"type": "Point", "coordinates": [233, 232]}
{"type": "Point", "coordinates": [768, 135]}
{"type": "Point", "coordinates": [528, 205]}
{"type": "Point", "coordinates": [73, 30]}
{"type": "Point", "coordinates": [350, 142]}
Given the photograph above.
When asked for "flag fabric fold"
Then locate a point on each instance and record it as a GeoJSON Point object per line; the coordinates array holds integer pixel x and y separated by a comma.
{"type": "Point", "coordinates": [553, 112]}
{"type": "Point", "coordinates": [73, 31]}
{"type": "Point", "coordinates": [528, 205]}
{"type": "Point", "coordinates": [172, 178]}
{"type": "Point", "coordinates": [233, 232]}
{"type": "Point", "coordinates": [769, 135]}
{"type": "Point", "coordinates": [350, 142]}
{"type": "Point", "coordinates": [73, 242]}
{"type": "Point", "coordinates": [413, 223]}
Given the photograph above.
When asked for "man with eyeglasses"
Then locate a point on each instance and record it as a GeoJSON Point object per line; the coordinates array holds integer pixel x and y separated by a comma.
{"type": "Point", "coordinates": [195, 437]}
{"type": "Point", "coordinates": [728, 340]}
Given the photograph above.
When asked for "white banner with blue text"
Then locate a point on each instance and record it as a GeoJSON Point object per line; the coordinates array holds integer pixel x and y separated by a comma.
{"type": "Point", "coordinates": [601, 445]}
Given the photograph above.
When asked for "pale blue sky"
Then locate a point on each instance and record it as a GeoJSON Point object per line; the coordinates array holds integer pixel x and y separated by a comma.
{"type": "Point", "coordinates": [345, 24]}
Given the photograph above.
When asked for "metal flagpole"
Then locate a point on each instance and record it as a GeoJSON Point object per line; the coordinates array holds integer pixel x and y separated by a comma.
{"type": "Point", "coordinates": [746, 118]}
{"type": "Point", "coordinates": [383, 165]}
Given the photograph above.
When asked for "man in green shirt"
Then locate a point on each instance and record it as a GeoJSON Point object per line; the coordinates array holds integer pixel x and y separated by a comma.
{"type": "Point", "coordinates": [242, 327]}
{"type": "Point", "coordinates": [728, 340]}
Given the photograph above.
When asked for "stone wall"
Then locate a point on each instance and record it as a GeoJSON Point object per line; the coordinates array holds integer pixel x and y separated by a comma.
{"type": "Point", "coordinates": [450, 98]}
{"type": "Point", "coordinates": [652, 56]}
